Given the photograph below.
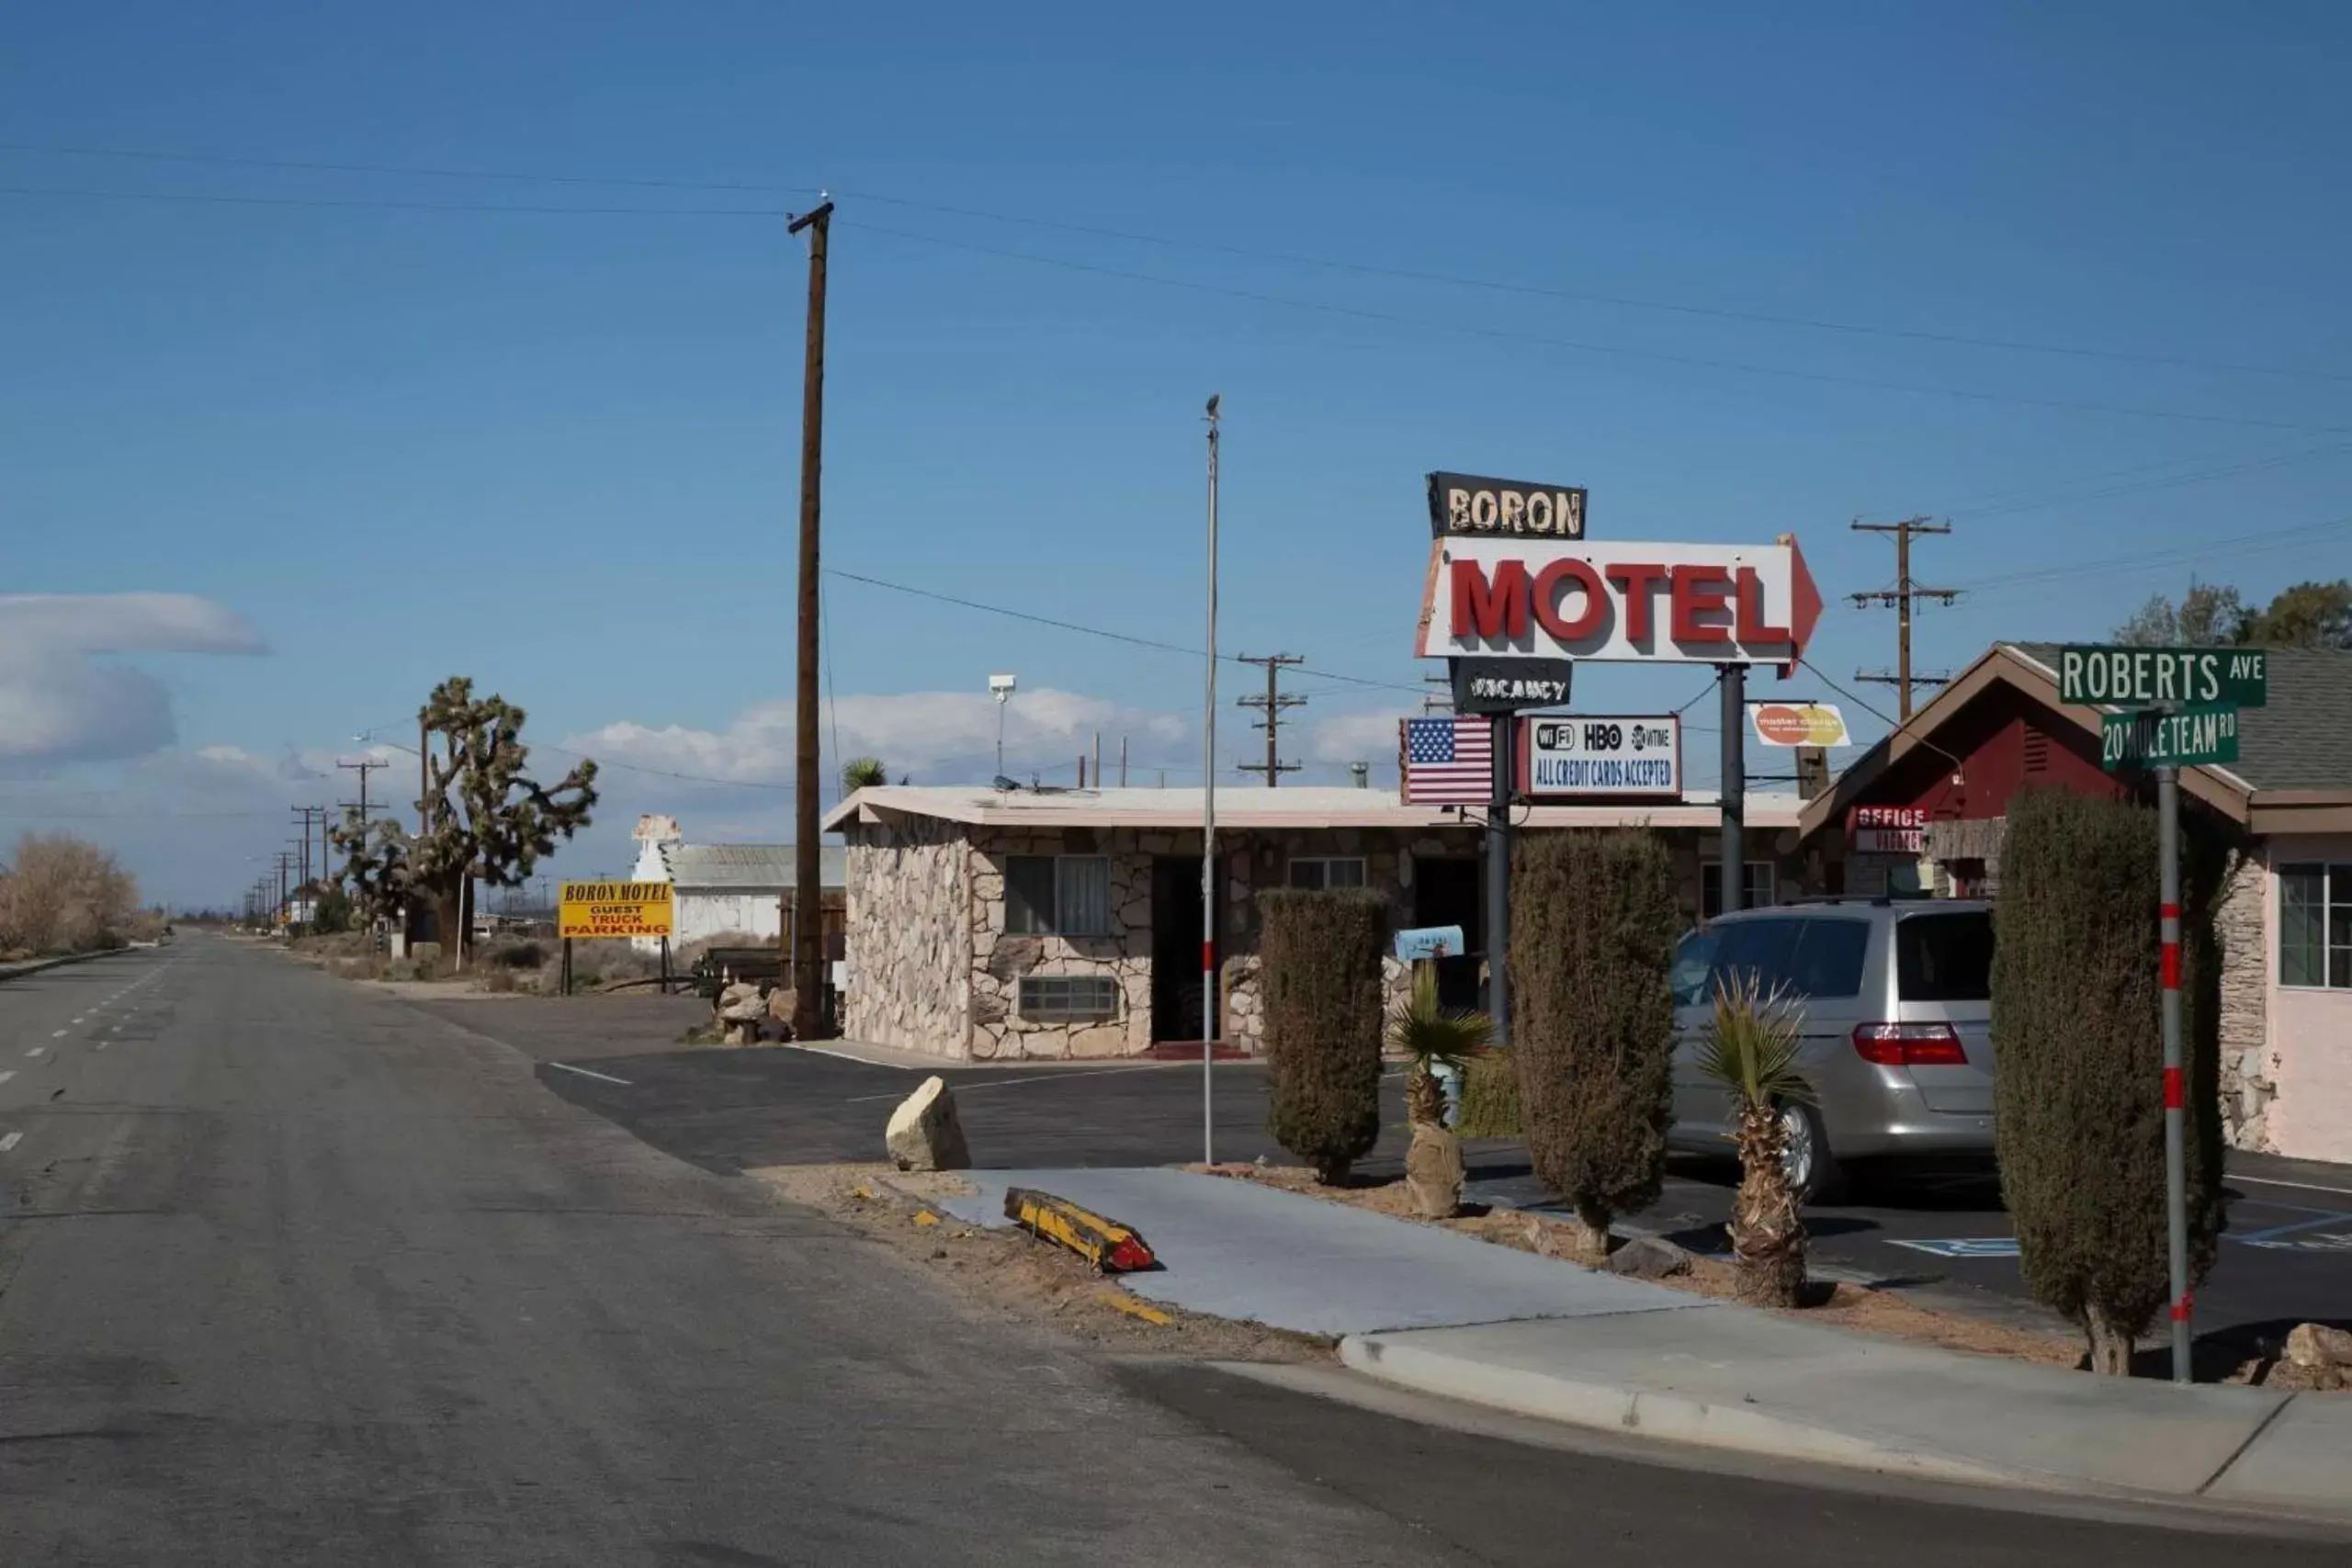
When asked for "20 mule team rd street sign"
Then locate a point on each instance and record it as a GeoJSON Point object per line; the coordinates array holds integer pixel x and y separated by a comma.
{"type": "Point", "coordinates": [1625, 602]}
{"type": "Point", "coordinates": [2150, 677]}
{"type": "Point", "coordinates": [615, 910]}
{"type": "Point", "coordinates": [2201, 733]}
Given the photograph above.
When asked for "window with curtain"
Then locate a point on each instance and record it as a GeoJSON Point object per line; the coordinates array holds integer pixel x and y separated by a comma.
{"type": "Point", "coordinates": [2315, 926]}
{"type": "Point", "coordinates": [1058, 894]}
{"type": "Point", "coordinates": [1759, 885]}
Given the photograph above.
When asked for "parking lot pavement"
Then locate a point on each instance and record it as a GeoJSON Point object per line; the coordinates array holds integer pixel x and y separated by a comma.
{"type": "Point", "coordinates": [735, 1109]}
{"type": "Point", "coordinates": [2287, 1257]}
{"type": "Point", "coordinates": [1941, 1236]}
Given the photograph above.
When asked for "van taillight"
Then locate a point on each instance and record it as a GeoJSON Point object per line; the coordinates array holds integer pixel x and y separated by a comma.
{"type": "Point", "coordinates": [1910, 1044]}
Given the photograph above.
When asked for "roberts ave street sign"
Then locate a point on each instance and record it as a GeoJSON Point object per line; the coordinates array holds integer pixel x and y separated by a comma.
{"type": "Point", "coordinates": [2153, 677]}
{"type": "Point", "coordinates": [2180, 738]}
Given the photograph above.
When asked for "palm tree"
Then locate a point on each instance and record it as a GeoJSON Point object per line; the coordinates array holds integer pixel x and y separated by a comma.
{"type": "Point", "coordinates": [1751, 1049]}
{"type": "Point", "coordinates": [863, 772]}
{"type": "Point", "coordinates": [1433, 1035]}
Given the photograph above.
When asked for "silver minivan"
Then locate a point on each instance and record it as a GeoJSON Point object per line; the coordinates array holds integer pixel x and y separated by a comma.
{"type": "Point", "coordinates": [1895, 1001]}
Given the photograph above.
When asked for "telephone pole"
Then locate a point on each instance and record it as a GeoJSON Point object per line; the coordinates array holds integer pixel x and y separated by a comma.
{"type": "Point", "coordinates": [307, 813]}
{"type": "Point", "coordinates": [808, 921]}
{"type": "Point", "coordinates": [1901, 596]}
{"type": "Point", "coordinates": [1273, 704]}
{"type": "Point", "coordinates": [363, 768]}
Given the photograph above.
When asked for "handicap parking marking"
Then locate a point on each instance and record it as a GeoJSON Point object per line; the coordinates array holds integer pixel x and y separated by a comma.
{"type": "Point", "coordinates": [1961, 1246]}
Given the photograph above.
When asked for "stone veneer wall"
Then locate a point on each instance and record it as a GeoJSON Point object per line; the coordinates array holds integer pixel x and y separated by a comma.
{"type": "Point", "coordinates": [907, 943]}
{"type": "Point", "coordinates": [999, 959]}
{"type": "Point", "coordinates": [2249, 1075]}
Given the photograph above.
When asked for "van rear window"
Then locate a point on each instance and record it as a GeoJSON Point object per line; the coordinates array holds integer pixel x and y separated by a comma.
{"type": "Point", "coordinates": [1944, 958]}
{"type": "Point", "coordinates": [1798, 955]}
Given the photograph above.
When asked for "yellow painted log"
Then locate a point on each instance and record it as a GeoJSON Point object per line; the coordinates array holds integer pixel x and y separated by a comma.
{"type": "Point", "coordinates": [1119, 1300]}
{"type": "Point", "coordinates": [1110, 1247]}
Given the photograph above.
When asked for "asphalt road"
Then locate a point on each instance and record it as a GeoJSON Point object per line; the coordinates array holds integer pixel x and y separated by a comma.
{"type": "Point", "coordinates": [292, 1272]}
{"type": "Point", "coordinates": [1941, 1236]}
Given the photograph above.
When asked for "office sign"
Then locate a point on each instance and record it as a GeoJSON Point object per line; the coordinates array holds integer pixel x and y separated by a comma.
{"type": "Point", "coordinates": [2177, 738]}
{"type": "Point", "coordinates": [594, 909]}
{"type": "Point", "coordinates": [1887, 830]}
{"type": "Point", "coordinates": [1510, 685]}
{"type": "Point", "coordinates": [2153, 677]}
{"type": "Point", "coordinates": [1466, 503]}
{"type": "Point", "coordinates": [1798, 724]}
{"type": "Point", "coordinates": [1587, 756]}
{"type": "Point", "coordinates": [1625, 602]}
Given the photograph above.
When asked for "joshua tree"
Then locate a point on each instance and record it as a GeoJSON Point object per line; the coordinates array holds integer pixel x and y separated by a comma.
{"type": "Point", "coordinates": [862, 772]}
{"type": "Point", "coordinates": [1751, 1049]}
{"type": "Point", "coordinates": [486, 817]}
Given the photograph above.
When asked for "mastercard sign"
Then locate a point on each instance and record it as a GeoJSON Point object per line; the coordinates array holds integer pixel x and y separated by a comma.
{"type": "Point", "coordinates": [1798, 724]}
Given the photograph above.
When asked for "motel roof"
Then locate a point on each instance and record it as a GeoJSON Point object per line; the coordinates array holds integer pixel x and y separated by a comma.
{"type": "Point", "coordinates": [2294, 767]}
{"type": "Point", "coordinates": [1243, 808]}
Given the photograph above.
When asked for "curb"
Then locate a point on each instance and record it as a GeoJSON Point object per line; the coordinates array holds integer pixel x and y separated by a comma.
{"type": "Point", "coordinates": [1648, 1413]}
{"type": "Point", "coordinates": [17, 971]}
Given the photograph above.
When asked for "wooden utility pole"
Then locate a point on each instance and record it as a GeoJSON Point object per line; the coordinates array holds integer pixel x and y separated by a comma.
{"type": "Point", "coordinates": [1273, 704]}
{"type": "Point", "coordinates": [807, 901]}
{"type": "Point", "coordinates": [1901, 596]}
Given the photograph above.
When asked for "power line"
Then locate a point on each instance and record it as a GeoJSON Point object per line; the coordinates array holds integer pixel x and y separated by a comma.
{"type": "Point", "coordinates": [1152, 643]}
{"type": "Point", "coordinates": [1369, 269]}
{"type": "Point", "coordinates": [1514, 335]}
{"type": "Point", "coordinates": [1519, 336]}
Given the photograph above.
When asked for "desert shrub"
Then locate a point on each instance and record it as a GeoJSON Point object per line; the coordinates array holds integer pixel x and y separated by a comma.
{"type": "Point", "coordinates": [516, 955]}
{"type": "Point", "coordinates": [2079, 1085]}
{"type": "Point", "coordinates": [1319, 966]}
{"type": "Point", "coordinates": [60, 894]}
{"type": "Point", "coordinates": [1593, 928]}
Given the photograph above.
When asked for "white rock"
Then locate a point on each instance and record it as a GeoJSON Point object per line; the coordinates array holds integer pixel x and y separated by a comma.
{"type": "Point", "coordinates": [924, 1134]}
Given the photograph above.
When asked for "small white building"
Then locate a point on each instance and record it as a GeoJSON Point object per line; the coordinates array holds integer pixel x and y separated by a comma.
{"type": "Point", "coordinates": [728, 887]}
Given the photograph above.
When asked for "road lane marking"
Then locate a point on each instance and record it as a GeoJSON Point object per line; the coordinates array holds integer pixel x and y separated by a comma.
{"type": "Point", "coordinates": [37, 1051]}
{"type": "Point", "coordinates": [9, 1141]}
{"type": "Point", "coordinates": [77, 1020]}
{"type": "Point", "coordinates": [1026, 1079]}
{"type": "Point", "coordinates": [585, 1073]}
{"type": "Point", "coordinates": [2299, 1186]}
{"type": "Point", "coordinates": [58, 1034]}
{"type": "Point", "coordinates": [6, 1076]}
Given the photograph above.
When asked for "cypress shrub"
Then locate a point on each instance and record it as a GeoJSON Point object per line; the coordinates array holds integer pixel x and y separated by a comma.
{"type": "Point", "coordinates": [2079, 1086]}
{"type": "Point", "coordinates": [1319, 964]}
{"type": "Point", "coordinates": [1593, 926]}
{"type": "Point", "coordinates": [1490, 1098]}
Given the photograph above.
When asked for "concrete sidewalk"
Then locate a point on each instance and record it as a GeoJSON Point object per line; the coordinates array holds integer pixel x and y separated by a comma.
{"type": "Point", "coordinates": [1429, 1309]}
{"type": "Point", "coordinates": [1236, 1250]}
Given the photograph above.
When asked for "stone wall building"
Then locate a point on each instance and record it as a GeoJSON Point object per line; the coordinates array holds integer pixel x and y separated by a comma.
{"type": "Point", "coordinates": [2284, 808]}
{"type": "Point", "coordinates": [1022, 923]}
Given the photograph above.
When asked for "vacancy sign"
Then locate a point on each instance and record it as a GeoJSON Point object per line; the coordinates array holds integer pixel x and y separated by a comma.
{"type": "Point", "coordinates": [1625, 602]}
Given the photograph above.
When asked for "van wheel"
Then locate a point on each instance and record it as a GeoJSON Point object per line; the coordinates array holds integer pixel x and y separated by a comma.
{"type": "Point", "coordinates": [1813, 1171]}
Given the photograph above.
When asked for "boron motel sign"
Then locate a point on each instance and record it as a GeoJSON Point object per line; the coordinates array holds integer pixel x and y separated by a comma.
{"type": "Point", "coordinates": [1623, 602]}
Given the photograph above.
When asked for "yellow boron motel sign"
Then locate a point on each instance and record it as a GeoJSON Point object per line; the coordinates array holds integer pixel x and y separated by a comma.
{"type": "Point", "coordinates": [615, 910]}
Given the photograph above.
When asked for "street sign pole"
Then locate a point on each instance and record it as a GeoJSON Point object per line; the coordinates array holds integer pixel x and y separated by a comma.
{"type": "Point", "coordinates": [2175, 1099]}
{"type": "Point", "coordinates": [1734, 678]}
{"type": "Point", "coordinates": [1499, 878]}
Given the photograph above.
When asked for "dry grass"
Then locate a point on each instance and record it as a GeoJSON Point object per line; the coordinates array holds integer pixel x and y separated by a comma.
{"type": "Point", "coordinates": [1007, 1273]}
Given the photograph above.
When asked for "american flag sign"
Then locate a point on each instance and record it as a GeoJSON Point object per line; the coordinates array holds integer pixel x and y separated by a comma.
{"type": "Point", "coordinates": [1449, 761]}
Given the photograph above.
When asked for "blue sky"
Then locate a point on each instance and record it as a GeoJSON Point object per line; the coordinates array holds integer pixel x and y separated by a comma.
{"type": "Point", "coordinates": [388, 436]}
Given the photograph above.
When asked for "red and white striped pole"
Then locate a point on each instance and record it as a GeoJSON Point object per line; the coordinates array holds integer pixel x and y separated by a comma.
{"type": "Point", "coordinates": [2176, 1096]}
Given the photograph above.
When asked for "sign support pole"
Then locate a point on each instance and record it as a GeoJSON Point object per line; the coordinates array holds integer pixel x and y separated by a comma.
{"type": "Point", "coordinates": [567, 966]}
{"type": "Point", "coordinates": [1208, 836]}
{"type": "Point", "coordinates": [1499, 881]}
{"type": "Point", "coordinates": [1734, 788]}
{"type": "Point", "coordinates": [2176, 1130]}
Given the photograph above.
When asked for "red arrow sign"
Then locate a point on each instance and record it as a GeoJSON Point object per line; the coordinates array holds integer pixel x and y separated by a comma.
{"type": "Point", "coordinates": [1625, 602]}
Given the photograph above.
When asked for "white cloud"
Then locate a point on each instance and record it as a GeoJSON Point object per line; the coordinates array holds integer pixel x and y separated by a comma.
{"type": "Point", "coordinates": [942, 735]}
{"type": "Point", "coordinates": [1354, 738]}
{"type": "Point", "coordinates": [60, 703]}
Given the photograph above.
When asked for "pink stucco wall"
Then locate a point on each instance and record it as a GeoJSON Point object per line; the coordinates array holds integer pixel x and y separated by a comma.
{"type": "Point", "coordinates": [2310, 1034]}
